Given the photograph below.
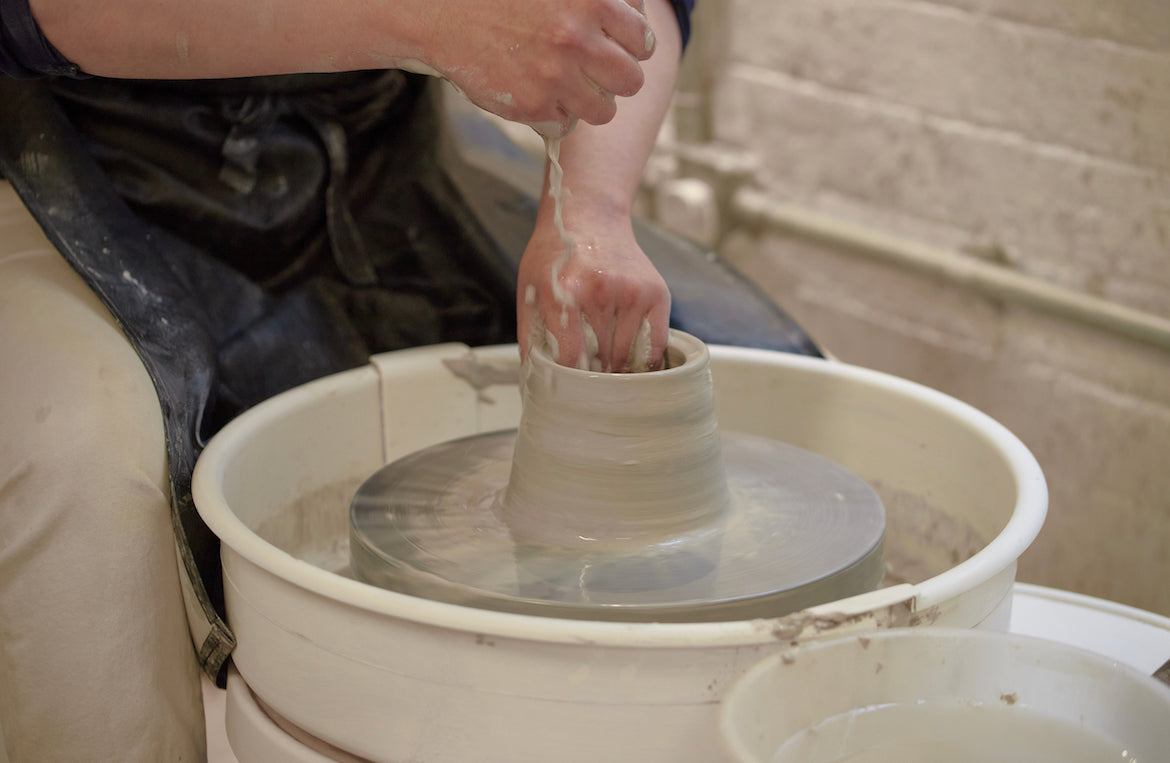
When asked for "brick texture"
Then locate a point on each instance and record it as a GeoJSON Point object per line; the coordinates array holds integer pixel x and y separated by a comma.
{"type": "Point", "coordinates": [1094, 410]}
{"type": "Point", "coordinates": [1044, 85]}
{"type": "Point", "coordinates": [1034, 135]}
{"type": "Point", "coordinates": [1098, 226]}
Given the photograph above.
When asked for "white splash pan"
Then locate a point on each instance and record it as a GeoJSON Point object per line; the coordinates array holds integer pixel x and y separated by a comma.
{"type": "Point", "coordinates": [391, 678]}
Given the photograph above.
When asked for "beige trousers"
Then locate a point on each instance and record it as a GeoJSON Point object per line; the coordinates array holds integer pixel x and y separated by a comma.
{"type": "Point", "coordinates": [96, 663]}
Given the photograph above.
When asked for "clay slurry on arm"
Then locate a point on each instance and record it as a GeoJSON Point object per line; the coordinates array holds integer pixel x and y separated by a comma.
{"type": "Point", "coordinates": [587, 291]}
{"type": "Point", "coordinates": [564, 298]}
{"type": "Point", "coordinates": [587, 355]}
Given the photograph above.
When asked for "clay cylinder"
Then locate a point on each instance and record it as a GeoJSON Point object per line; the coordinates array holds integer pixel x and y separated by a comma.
{"type": "Point", "coordinates": [604, 458]}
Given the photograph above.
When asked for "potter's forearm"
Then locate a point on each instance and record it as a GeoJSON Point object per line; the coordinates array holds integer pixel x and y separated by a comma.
{"type": "Point", "coordinates": [535, 61]}
{"type": "Point", "coordinates": [603, 164]}
{"type": "Point", "coordinates": [229, 38]}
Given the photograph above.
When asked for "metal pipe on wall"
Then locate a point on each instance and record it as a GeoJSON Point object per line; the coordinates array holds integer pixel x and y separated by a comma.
{"type": "Point", "coordinates": [751, 206]}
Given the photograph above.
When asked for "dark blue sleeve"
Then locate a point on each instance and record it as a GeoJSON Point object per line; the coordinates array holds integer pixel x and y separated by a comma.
{"type": "Point", "coordinates": [682, 10]}
{"type": "Point", "coordinates": [24, 51]}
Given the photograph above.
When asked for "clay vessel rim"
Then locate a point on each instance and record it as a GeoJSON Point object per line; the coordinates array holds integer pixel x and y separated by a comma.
{"type": "Point", "coordinates": [689, 349]}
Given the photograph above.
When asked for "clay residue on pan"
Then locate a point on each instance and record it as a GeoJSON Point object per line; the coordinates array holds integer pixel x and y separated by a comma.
{"type": "Point", "coordinates": [315, 527]}
{"type": "Point", "coordinates": [806, 624]}
{"type": "Point", "coordinates": [922, 540]}
{"type": "Point", "coordinates": [481, 375]}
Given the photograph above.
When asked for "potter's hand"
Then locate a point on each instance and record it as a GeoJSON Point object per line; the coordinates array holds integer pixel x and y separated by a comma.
{"type": "Point", "coordinates": [542, 62]}
{"type": "Point", "coordinates": [609, 308]}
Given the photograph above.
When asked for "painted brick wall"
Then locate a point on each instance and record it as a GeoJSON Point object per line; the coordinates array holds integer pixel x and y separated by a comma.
{"type": "Point", "coordinates": [1035, 135]}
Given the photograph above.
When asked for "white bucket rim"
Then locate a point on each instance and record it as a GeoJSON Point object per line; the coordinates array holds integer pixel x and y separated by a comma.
{"type": "Point", "coordinates": [1023, 526]}
{"type": "Point", "coordinates": [737, 713]}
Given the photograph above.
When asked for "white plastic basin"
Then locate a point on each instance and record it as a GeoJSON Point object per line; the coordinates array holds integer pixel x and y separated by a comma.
{"type": "Point", "coordinates": [393, 678]}
{"type": "Point", "coordinates": [941, 694]}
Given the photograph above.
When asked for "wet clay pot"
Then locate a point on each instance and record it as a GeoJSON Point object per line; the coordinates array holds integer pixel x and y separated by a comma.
{"type": "Point", "coordinates": [606, 458]}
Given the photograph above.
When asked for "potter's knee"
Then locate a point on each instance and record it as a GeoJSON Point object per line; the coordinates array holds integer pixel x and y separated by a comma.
{"type": "Point", "coordinates": [102, 433]}
{"type": "Point", "coordinates": [79, 434]}
{"type": "Point", "coordinates": [73, 389]}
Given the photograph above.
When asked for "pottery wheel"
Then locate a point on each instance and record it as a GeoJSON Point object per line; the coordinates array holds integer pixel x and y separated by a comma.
{"type": "Point", "coordinates": [800, 531]}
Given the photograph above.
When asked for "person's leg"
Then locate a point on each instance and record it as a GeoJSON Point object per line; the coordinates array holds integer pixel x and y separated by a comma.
{"type": "Point", "coordinates": [95, 658]}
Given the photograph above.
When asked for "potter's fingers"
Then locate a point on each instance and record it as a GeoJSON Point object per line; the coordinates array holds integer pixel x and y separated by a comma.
{"type": "Point", "coordinates": [558, 127]}
{"type": "Point", "coordinates": [659, 320]}
{"type": "Point", "coordinates": [641, 333]}
{"type": "Point", "coordinates": [617, 359]}
{"type": "Point", "coordinates": [610, 73]}
{"type": "Point", "coordinates": [611, 361]}
{"type": "Point", "coordinates": [589, 358]}
{"type": "Point", "coordinates": [526, 324]}
{"type": "Point", "coordinates": [609, 81]}
{"type": "Point", "coordinates": [563, 326]}
{"type": "Point", "coordinates": [599, 325]}
{"type": "Point", "coordinates": [628, 25]}
{"type": "Point", "coordinates": [614, 66]}
{"type": "Point", "coordinates": [522, 339]}
{"type": "Point", "coordinates": [627, 355]}
{"type": "Point", "coordinates": [590, 102]}
{"type": "Point", "coordinates": [640, 341]}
